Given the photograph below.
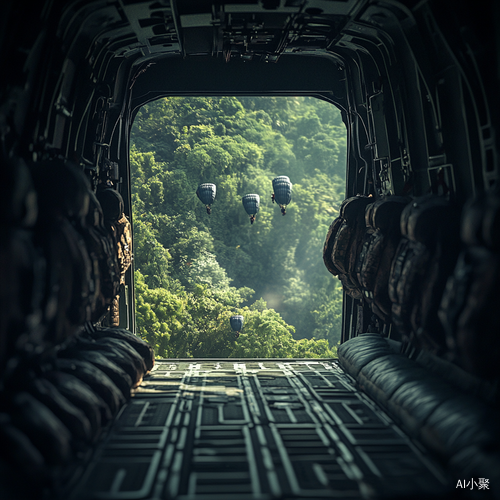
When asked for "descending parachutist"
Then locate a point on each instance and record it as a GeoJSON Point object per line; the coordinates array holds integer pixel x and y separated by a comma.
{"type": "Point", "coordinates": [206, 193]}
{"type": "Point", "coordinates": [251, 203]}
{"type": "Point", "coordinates": [237, 324]}
{"type": "Point", "coordinates": [282, 194]}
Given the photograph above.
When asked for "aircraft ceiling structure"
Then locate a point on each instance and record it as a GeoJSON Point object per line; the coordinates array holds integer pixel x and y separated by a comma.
{"type": "Point", "coordinates": [416, 82]}
{"type": "Point", "coordinates": [375, 60]}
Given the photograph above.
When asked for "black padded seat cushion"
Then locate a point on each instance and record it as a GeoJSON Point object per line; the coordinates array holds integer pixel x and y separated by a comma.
{"type": "Point", "coordinates": [381, 377]}
{"type": "Point", "coordinates": [440, 415]}
{"type": "Point", "coordinates": [414, 401]}
{"type": "Point", "coordinates": [359, 351]}
{"type": "Point", "coordinates": [459, 423]}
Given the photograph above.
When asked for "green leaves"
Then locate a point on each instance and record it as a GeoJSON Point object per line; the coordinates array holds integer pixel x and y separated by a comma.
{"type": "Point", "coordinates": [150, 256]}
{"type": "Point", "coordinates": [195, 269]}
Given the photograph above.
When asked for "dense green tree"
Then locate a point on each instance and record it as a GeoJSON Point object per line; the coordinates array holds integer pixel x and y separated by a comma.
{"type": "Point", "coordinates": [150, 256]}
{"type": "Point", "coordinates": [239, 144]}
{"type": "Point", "coordinates": [196, 324]}
{"type": "Point", "coordinates": [160, 318]}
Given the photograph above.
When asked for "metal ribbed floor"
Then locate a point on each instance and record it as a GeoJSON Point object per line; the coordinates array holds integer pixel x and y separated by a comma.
{"type": "Point", "coordinates": [256, 429]}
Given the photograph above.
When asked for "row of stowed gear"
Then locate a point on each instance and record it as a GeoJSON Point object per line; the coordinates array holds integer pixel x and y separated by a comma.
{"type": "Point", "coordinates": [427, 269]}
{"type": "Point", "coordinates": [63, 255]}
{"type": "Point", "coordinates": [54, 407]}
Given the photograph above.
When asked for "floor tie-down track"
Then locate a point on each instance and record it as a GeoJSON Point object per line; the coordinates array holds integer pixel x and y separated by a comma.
{"type": "Point", "coordinates": [255, 430]}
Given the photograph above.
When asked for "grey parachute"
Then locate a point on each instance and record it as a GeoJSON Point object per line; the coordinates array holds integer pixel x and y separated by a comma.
{"type": "Point", "coordinates": [206, 193]}
{"type": "Point", "coordinates": [236, 323]}
{"type": "Point", "coordinates": [251, 203]}
{"type": "Point", "coordinates": [282, 188]}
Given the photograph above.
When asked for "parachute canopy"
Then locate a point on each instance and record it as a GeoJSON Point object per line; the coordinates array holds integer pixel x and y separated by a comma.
{"type": "Point", "coordinates": [206, 193]}
{"type": "Point", "coordinates": [237, 322]}
{"type": "Point", "coordinates": [251, 203]}
{"type": "Point", "coordinates": [282, 190]}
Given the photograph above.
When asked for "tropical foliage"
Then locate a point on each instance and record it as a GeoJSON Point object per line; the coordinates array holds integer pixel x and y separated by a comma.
{"type": "Point", "coordinates": [193, 270]}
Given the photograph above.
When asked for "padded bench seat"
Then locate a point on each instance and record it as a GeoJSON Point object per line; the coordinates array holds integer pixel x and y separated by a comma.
{"type": "Point", "coordinates": [460, 429]}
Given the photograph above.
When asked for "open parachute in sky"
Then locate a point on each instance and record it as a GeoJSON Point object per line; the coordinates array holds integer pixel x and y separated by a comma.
{"type": "Point", "coordinates": [206, 193]}
{"type": "Point", "coordinates": [236, 323]}
{"type": "Point", "coordinates": [282, 188]}
{"type": "Point", "coordinates": [251, 203]}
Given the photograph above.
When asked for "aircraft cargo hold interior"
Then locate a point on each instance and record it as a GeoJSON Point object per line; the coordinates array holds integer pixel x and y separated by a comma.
{"type": "Point", "coordinates": [409, 409]}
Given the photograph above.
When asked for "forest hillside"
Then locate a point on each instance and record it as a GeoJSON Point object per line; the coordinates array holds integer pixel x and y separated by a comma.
{"type": "Point", "coordinates": [194, 270]}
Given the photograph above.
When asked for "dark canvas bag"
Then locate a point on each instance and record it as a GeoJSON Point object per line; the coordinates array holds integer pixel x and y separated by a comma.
{"type": "Point", "coordinates": [362, 256]}
{"type": "Point", "coordinates": [471, 301]}
{"type": "Point", "coordinates": [381, 298]}
{"type": "Point", "coordinates": [120, 229]}
{"type": "Point", "coordinates": [423, 219]}
{"type": "Point", "coordinates": [480, 223]}
{"type": "Point", "coordinates": [22, 266]}
{"type": "Point", "coordinates": [342, 246]}
{"type": "Point", "coordinates": [423, 261]}
{"type": "Point", "coordinates": [102, 249]}
{"type": "Point", "coordinates": [349, 287]}
{"type": "Point", "coordinates": [354, 207]}
{"type": "Point", "coordinates": [472, 321]}
{"type": "Point", "coordinates": [349, 239]}
{"type": "Point", "coordinates": [62, 191]}
{"type": "Point", "coordinates": [21, 291]}
{"type": "Point", "coordinates": [403, 251]}
{"type": "Point", "coordinates": [123, 237]}
{"type": "Point", "coordinates": [382, 219]}
{"type": "Point", "coordinates": [385, 213]}
{"type": "Point", "coordinates": [328, 246]}
{"type": "Point", "coordinates": [374, 248]}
